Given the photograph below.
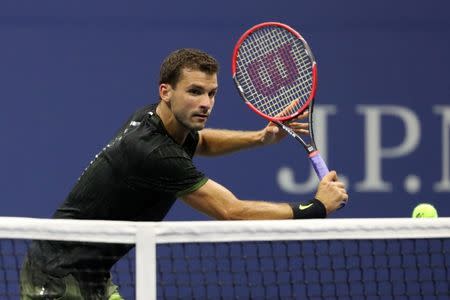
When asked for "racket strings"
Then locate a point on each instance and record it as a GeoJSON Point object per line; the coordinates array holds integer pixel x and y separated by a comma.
{"type": "Point", "coordinates": [274, 70]}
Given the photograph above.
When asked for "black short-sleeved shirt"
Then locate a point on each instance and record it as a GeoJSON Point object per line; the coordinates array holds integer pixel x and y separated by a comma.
{"type": "Point", "coordinates": [136, 177]}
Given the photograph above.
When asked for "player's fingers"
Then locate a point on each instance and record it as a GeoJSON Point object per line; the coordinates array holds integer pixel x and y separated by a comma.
{"type": "Point", "coordinates": [337, 186]}
{"type": "Point", "coordinates": [302, 131]}
{"type": "Point", "coordinates": [340, 184]}
{"type": "Point", "coordinates": [298, 125]}
{"type": "Point", "coordinates": [302, 116]}
{"type": "Point", "coordinates": [289, 109]}
{"type": "Point", "coordinates": [330, 176]}
{"type": "Point", "coordinates": [273, 129]}
{"type": "Point", "coordinates": [299, 128]}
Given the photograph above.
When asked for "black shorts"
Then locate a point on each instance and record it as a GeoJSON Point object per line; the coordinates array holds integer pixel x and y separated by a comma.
{"type": "Point", "coordinates": [35, 284]}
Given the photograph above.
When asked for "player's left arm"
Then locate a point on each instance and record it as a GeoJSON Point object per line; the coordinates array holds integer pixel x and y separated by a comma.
{"type": "Point", "coordinates": [222, 141]}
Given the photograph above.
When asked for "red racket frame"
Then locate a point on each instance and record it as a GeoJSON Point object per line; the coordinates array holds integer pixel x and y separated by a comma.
{"type": "Point", "coordinates": [314, 71]}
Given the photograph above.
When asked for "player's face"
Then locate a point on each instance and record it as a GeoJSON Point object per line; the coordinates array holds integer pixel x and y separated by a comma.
{"type": "Point", "coordinates": [193, 98]}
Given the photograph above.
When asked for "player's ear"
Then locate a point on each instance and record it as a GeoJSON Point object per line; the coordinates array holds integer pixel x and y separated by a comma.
{"type": "Point", "coordinates": [165, 92]}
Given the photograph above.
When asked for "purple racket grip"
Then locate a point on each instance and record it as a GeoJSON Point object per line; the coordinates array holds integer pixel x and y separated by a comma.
{"type": "Point", "coordinates": [318, 164]}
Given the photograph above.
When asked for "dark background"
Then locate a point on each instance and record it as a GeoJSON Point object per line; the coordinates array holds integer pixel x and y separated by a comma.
{"type": "Point", "coordinates": [72, 71]}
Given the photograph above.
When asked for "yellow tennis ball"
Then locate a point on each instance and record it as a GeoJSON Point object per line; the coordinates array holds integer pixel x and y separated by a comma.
{"type": "Point", "coordinates": [115, 296]}
{"type": "Point", "coordinates": [424, 210]}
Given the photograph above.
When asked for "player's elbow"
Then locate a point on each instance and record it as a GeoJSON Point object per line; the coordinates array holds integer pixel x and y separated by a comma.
{"type": "Point", "coordinates": [237, 211]}
{"type": "Point", "coordinates": [224, 215]}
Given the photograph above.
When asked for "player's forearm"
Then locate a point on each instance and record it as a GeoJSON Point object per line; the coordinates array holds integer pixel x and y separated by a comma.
{"type": "Point", "coordinates": [222, 141]}
{"type": "Point", "coordinates": [216, 201]}
{"type": "Point", "coordinates": [261, 210]}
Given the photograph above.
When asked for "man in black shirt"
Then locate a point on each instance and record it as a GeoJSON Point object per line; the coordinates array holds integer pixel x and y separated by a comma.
{"type": "Point", "coordinates": [144, 169]}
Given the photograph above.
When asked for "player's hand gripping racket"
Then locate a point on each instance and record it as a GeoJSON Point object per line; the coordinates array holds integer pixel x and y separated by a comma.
{"type": "Point", "coordinates": [276, 74]}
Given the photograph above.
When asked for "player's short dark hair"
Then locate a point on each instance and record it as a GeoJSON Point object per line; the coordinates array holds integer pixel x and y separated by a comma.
{"type": "Point", "coordinates": [186, 58]}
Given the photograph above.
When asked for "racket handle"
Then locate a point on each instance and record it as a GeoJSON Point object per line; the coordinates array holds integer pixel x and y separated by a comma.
{"type": "Point", "coordinates": [320, 167]}
{"type": "Point", "coordinates": [318, 164]}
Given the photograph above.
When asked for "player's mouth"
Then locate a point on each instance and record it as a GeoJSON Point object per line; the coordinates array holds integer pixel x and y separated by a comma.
{"type": "Point", "coordinates": [202, 117]}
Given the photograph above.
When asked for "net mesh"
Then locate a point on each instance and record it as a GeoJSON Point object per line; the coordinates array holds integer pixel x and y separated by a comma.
{"type": "Point", "coordinates": [364, 269]}
{"type": "Point", "coordinates": [274, 71]}
{"type": "Point", "coordinates": [328, 262]}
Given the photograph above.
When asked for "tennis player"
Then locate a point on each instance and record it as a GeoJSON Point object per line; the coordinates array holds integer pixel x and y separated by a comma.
{"type": "Point", "coordinates": [145, 168]}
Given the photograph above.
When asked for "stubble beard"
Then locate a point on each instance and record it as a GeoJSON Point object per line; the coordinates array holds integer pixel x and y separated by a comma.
{"type": "Point", "coordinates": [189, 125]}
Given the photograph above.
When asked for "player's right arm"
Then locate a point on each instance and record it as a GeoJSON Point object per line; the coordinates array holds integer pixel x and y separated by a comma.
{"type": "Point", "coordinates": [220, 203]}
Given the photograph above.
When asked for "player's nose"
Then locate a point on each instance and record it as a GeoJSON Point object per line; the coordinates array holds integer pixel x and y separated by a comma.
{"type": "Point", "coordinates": [207, 102]}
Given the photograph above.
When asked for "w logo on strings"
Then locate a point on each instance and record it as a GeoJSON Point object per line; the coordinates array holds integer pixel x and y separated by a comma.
{"type": "Point", "coordinates": [274, 71]}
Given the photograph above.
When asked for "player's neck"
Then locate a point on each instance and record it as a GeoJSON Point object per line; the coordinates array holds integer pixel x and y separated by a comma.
{"type": "Point", "coordinates": [172, 126]}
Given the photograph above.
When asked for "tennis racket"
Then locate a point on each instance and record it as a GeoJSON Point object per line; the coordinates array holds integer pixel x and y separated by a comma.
{"type": "Point", "coordinates": [276, 74]}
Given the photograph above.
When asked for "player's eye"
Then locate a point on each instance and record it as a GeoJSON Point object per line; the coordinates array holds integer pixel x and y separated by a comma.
{"type": "Point", "coordinates": [195, 92]}
{"type": "Point", "coordinates": [212, 94]}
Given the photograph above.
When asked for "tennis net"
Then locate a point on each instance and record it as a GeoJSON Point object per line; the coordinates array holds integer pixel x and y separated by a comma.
{"type": "Point", "coordinates": [305, 259]}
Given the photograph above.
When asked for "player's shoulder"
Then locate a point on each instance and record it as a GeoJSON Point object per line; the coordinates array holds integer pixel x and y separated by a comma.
{"type": "Point", "coordinates": [146, 134]}
{"type": "Point", "coordinates": [145, 138]}
{"type": "Point", "coordinates": [142, 112]}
